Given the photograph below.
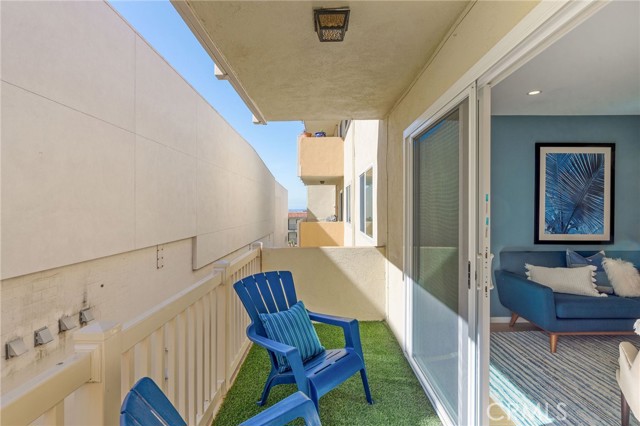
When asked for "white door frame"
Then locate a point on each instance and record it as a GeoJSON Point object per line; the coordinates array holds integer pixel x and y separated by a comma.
{"type": "Point", "coordinates": [466, 408]}
{"type": "Point", "coordinates": [544, 25]}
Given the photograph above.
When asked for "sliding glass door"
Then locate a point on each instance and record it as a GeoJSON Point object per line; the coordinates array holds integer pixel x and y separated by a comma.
{"type": "Point", "coordinates": [441, 302]}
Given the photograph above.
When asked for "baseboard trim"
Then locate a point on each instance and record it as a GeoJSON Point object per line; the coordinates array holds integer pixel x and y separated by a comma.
{"type": "Point", "coordinates": [507, 320]}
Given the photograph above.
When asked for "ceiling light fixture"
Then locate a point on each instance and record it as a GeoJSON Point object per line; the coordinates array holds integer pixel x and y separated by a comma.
{"type": "Point", "coordinates": [331, 24]}
{"type": "Point", "coordinates": [534, 92]}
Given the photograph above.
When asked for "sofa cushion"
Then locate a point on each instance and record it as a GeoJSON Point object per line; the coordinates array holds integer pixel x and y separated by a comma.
{"type": "Point", "coordinates": [566, 280]}
{"type": "Point", "coordinates": [569, 306]}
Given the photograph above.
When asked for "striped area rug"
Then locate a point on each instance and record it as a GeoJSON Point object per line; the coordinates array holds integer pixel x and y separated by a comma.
{"type": "Point", "coordinates": [575, 386]}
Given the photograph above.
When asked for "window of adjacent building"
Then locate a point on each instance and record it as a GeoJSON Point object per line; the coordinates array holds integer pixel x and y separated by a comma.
{"type": "Point", "coordinates": [347, 203]}
{"type": "Point", "coordinates": [366, 202]}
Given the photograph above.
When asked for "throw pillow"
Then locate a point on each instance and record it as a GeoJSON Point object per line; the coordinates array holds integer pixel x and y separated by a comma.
{"type": "Point", "coordinates": [579, 281]}
{"type": "Point", "coordinates": [624, 277]}
{"type": "Point", "coordinates": [575, 260]}
{"type": "Point", "coordinates": [293, 327]}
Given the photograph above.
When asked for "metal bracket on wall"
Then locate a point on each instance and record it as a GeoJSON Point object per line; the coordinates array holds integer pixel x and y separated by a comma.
{"type": "Point", "coordinates": [159, 256]}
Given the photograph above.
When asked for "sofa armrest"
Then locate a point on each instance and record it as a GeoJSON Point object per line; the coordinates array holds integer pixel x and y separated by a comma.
{"type": "Point", "coordinates": [526, 298]}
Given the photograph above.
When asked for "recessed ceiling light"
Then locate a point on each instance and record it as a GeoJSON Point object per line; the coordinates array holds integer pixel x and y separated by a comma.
{"type": "Point", "coordinates": [534, 92]}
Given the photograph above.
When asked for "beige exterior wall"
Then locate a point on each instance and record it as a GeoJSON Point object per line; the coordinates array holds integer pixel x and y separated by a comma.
{"type": "Point", "coordinates": [482, 27]}
{"type": "Point", "coordinates": [363, 149]}
{"type": "Point", "coordinates": [107, 153]}
{"type": "Point", "coordinates": [321, 202]}
{"type": "Point", "coordinates": [320, 159]}
{"type": "Point", "coordinates": [338, 281]}
{"type": "Point", "coordinates": [320, 234]}
{"type": "Point", "coordinates": [281, 217]}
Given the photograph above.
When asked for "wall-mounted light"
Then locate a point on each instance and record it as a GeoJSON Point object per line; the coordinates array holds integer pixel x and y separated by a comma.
{"type": "Point", "coordinates": [67, 323]}
{"type": "Point", "coordinates": [534, 92]}
{"type": "Point", "coordinates": [42, 336]}
{"type": "Point", "coordinates": [86, 316]}
{"type": "Point", "coordinates": [15, 348]}
{"type": "Point", "coordinates": [331, 24]}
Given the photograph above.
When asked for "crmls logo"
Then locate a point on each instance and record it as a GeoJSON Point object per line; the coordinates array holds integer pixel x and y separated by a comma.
{"type": "Point", "coordinates": [530, 411]}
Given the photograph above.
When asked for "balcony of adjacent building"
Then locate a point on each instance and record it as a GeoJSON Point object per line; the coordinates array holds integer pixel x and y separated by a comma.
{"type": "Point", "coordinates": [321, 169]}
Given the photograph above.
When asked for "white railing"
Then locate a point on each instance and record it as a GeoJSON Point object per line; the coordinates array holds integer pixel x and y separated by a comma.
{"type": "Point", "coordinates": [191, 345]}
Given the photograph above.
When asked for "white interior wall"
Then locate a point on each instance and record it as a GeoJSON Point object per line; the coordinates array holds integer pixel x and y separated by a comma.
{"type": "Point", "coordinates": [106, 153]}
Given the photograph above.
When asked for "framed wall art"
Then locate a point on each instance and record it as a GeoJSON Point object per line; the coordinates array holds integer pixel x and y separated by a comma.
{"type": "Point", "coordinates": [574, 193]}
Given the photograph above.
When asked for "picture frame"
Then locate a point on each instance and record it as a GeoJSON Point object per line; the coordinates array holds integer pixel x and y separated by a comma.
{"type": "Point", "coordinates": [574, 193]}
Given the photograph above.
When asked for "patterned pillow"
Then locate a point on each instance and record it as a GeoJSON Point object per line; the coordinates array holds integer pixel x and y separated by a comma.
{"type": "Point", "coordinates": [293, 327]}
{"type": "Point", "coordinates": [624, 277]}
{"type": "Point", "coordinates": [579, 281]}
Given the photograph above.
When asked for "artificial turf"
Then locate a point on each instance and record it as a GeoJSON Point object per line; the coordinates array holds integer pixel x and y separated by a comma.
{"type": "Point", "coordinates": [398, 397]}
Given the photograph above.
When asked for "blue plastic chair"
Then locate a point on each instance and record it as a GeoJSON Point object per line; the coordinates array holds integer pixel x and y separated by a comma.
{"type": "Point", "coordinates": [274, 292]}
{"type": "Point", "coordinates": [292, 407]}
{"type": "Point", "coordinates": [146, 405]}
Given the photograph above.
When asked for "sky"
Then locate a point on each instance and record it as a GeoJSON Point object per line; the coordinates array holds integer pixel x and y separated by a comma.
{"type": "Point", "coordinates": [160, 24]}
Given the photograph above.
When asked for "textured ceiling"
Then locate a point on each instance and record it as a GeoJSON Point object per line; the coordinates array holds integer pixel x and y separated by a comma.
{"type": "Point", "coordinates": [275, 58]}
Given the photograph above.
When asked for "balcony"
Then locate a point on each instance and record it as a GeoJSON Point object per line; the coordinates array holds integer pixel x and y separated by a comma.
{"type": "Point", "coordinates": [321, 234]}
{"type": "Point", "coordinates": [194, 343]}
{"type": "Point", "coordinates": [320, 160]}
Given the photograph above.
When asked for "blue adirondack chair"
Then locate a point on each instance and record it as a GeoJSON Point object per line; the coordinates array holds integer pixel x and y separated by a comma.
{"type": "Point", "coordinates": [272, 292]}
{"type": "Point", "coordinates": [146, 405]}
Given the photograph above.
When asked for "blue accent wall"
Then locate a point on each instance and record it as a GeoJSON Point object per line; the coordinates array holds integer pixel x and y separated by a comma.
{"type": "Point", "coordinates": [513, 140]}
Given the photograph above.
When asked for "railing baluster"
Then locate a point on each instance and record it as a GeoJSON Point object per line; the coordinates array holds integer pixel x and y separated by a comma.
{"type": "Point", "coordinates": [126, 375]}
{"type": "Point", "coordinates": [54, 416]}
{"type": "Point", "coordinates": [172, 361]}
{"type": "Point", "coordinates": [199, 317]}
{"type": "Point", "coordinates": [206, 346]}
{"type": "Point", "coordinates": [157, 358]}
{"type": "Point", "coordinates": [181, 331]}
{"type": "Point", "coordinates": [191, 365]}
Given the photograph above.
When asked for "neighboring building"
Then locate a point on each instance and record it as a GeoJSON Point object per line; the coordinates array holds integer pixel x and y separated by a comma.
{"type": "Point", "coordinates": [120, 182]}
{"type": "Point", "coordinates": [345, 189]}
{"type": "Point", "coordinates": [293, 223]}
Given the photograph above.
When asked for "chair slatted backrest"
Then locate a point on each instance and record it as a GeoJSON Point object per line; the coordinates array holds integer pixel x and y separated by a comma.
{"type": "Point", "coordinates": [147, 405]}
{"type": "Point", "coordinates": [267, 292]}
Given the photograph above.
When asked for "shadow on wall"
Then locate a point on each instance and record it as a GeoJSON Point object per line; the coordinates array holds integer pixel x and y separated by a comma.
{"type": "Point", "coordinates": [344, 281]}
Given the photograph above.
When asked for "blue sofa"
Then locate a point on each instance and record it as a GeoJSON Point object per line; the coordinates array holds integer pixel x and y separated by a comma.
{"type": "Point", "coordinates": [560, 313]}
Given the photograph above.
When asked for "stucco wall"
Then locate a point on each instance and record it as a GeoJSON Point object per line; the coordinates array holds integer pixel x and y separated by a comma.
{"type": "Point", "coordinates": [321, 202]}
{"type": "Point", "coordinates": [106, 149]}
{"type": "Point", "coordinates": [344, 281]}
{"type": "Point", "coordinates": [364, 148]}
{"type": "Point", "coordinates": [481, 28]}
{"type": "Point", "coordinates": [107, 152]}
{"type": "Point", "coordinates": [320, 234]}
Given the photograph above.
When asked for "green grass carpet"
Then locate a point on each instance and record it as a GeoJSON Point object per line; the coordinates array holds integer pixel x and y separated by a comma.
{"type": "Point", "coordinates": [398, 397]}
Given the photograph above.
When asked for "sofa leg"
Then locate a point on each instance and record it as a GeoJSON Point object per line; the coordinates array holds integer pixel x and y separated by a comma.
{"type": "Point", "coordinates": [553, 341]}
{"type": "Point", "coordinates": [514, 318]}
{"type": "Point", "coordinates": [624, 410]}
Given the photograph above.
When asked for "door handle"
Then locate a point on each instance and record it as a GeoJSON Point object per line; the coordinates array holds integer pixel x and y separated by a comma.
{"type": "Point", "coordinates": [485, 260]}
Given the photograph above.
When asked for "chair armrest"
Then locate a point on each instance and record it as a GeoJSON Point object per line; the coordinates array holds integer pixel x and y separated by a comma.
{"type": "Point", "coordinates": [290, 352]}
{"type": "Point", "coordinates": [349, 326]}
{"type": "Point", "coordinates": [527, 298]}
{"type": "Point", "coordinates": [629, 356]}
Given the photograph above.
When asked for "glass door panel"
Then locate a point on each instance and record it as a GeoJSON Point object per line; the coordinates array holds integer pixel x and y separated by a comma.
{"type": "Point", "coordinates": [439, 261]}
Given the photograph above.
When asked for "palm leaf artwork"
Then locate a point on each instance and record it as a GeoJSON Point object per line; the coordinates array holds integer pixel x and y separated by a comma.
{"type": "Point", "coordinates": [574, 193]}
